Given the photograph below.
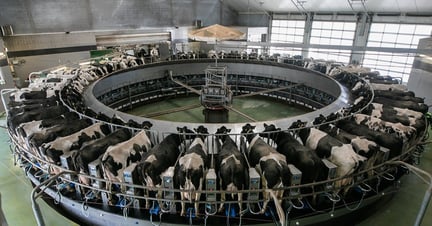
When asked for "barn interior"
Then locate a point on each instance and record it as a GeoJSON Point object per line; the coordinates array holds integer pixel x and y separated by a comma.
{"type": "Point", "coordinates": [392, 37]}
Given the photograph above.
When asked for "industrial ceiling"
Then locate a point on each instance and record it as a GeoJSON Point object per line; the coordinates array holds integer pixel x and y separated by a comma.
{"type": "Point", "coordinates": [372, 6]}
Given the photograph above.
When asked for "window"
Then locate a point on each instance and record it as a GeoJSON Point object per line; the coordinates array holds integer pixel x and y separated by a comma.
{"type": "Point", "coordinates": [330, 54]}
{"type": "Point", "coordinates": [394, 36]}
{"type": "Point", "coordinates": [332, 33]}
{"type": "Point", "coordinates": [254, 35]}
{"type": "Point", "coordinates": [287, 31]}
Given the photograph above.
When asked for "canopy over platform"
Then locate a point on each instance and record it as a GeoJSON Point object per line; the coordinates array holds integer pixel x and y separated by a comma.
{"type": "Point", "coordinates": [216, 33]}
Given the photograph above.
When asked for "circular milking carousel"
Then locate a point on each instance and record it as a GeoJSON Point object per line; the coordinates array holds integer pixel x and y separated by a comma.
{"type": "Point", "coordinates": [101, 92]}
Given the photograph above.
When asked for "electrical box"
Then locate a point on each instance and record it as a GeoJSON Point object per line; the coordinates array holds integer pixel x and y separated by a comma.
{"type": "Point", "coordinates": [384, 155]}
{"type": "Point", "coordinates": [210, 181]}
{"type": "Point", "coordinates": [66, 161]}
{"type": "Point", "coordinates": [96, 171]}
{"type": "Point", "coordinates": [254, 184]}
{"type": "Point", "coordinates": [168, 182]}
{"type": "Point", "coordinates": [330, 168]}
{"type": "Point", "coordinates": [129, 177]}
{"type": "Point", "coordinates": [296, 176]}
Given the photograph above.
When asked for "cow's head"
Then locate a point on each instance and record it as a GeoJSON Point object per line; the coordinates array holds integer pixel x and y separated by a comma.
{"type": "Point", "coordinates": [202, 132]}
{"type": "Point", "coordinates": [146, 125]}
{"type": "Point", "coordinates": [222, 132]}
{"type": "Point", "coordinates": [319, 120]}
{"type": "Point", "coordinates": [248, 131]}
{"type": "Point", "coordinates": [270, 131]}
{"type": "Point", "coordinates": [298, 124]}
{"type": "Point", "coordinates": [185, 133]}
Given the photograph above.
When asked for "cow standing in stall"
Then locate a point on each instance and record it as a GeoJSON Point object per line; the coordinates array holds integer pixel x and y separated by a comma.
{"type": "Point", "coordinates": [63, 145]}
{"type": "Point", "coordinates": [401, 131]}
{"type": "Point", "coordinates": [191, 169]}
{"type": "Point", "coordinates": [342, 155]}
{"type": "Point", "coordinates": [362, 146]}
{"type": "Point", "coordinates": [119, 156]}
{"type": "Point", "coordinates": [231, 166]}
{"type": "Point", "coordinates": [158, 159]}
{"type": "Point", "coordinates": [93, 149]}
{"type": "Point", "coordinates": [271, 165]}
{"type": "Point", "coordinates": [302, 157]}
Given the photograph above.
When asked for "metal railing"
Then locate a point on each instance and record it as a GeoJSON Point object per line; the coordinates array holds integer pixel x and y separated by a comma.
{"type": "Point", "coordinates": [3, 221]}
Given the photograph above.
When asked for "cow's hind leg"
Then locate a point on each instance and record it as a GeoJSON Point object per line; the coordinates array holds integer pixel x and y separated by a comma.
{"type": "Point", "coordinates": [240, 200]}
{"type": "Point", "coordinates": [266, 197]}
{"type": "Point", "coordinates": [221, 205]}
{"type": "Point", "coordinates": [182, 198]}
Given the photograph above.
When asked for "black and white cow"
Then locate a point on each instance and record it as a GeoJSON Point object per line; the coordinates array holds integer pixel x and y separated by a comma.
{"type": "Point", "coordinates": [191, 168]}
{"type": "Point", "coordinates": [119, 156]}
{"type": "Point", "coordinates": [302, 157]}
{"type": "Point", "coordinates": [93, 149]}
{"type": "Point", "coordinates": [269, 163]}
{"type": "Point", "coordinates": [52, 101]}
{"type": "Point", "coordinates": [159, 158]}
{"type": "Point", "coordinates": [364, 147]}
{"type": "Point", "coordinates": [27, 94]}
{"type": "Point", "coordinates": [231, 167]}
{"type": "Point", "coordinates": [65, 128]}
{"type": "Point", "coordinates": [342, 155]}
{"type": "Point", "coordinates": [27, 129]}
{"type": "Point", "coordinates": [62, 145]}
{"type": "Point", "coordinates": [387, 102]}
{"type": "Point", "coordinates": [397, 111]}
{"type": "Point", "coordinates": [392, 93]}
{"type": "Point", "coordinates": [395, 115]}
{"type": "Point", "coordinates": [401, 131]}
{"type": "Point", "coordinates": [37, 114]}
{"type": "Point", "coordinates": [390, 141]}
{"type": "Point", "coordinates": [405, 96]}
{"type": "Point", "coordinates": [398, 87]}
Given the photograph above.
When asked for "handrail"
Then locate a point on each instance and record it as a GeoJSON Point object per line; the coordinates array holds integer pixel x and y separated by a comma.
{"type": "Point", "coordinates": [428, 192]}
{"type": "Point", "coordinates": [38, 165]}
{"type": "Point", "coordinates": [42, 186]}
{"type": "Point", "coordinates": [3, 221]}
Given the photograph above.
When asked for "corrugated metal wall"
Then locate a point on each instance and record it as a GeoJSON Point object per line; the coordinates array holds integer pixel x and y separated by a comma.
{"type": "Point", "coordinates": [35, 16]}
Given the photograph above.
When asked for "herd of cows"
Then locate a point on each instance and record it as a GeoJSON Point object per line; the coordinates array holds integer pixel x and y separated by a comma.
{"type": "Point", "coordinates": [386, 118]}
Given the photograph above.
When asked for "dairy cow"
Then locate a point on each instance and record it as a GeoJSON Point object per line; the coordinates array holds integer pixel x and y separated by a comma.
{"type": "Point", "coordinates": [191, 168]}
{"type": "Point", "coordinates": [269, 163]}
{"type": "Point", "coordinates": [93, 149]}
{"type": "Point", "coordinates": [119, 156]}
{"type": "Point", "coordinates": [231, 167]}
{"type": "Point", "coordinates": [362, 146]}
{"type": "Point", "coordinates": [62, 129]}
{"type": "Point", "coordinates": [342, 155]}
{"type": "Point", "coordinates": [159, 158]}
{"type": "Point", "coordinates": [62, 145]}
{"type": "Point", "coordinates": [302, 157]}
{"type": "Point", "coordinates": [36, 114]}
{"type": "Point", "coordinates": [401, 131]}
{"type": "Point", "coordinates": [390, 141]}
{"type": "Point", "coordinates": [387, 102]}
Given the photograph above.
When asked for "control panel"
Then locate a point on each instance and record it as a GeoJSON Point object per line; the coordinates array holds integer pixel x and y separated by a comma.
{"type": "Point", "coordinates": [168, 183]}
{"type": "Point", "coordinates": [296, 176]}
{"type": "Point", "coordinates": [210, 182]}
{"type": "Point", "coordinates": [330, 168]}
{"type": "Point", "coordinates": [95, 170]}
{"type": "Point", "coordinates": [254, 184]}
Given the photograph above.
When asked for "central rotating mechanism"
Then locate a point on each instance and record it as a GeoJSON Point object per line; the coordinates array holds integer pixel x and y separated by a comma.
{"type": "Point", "coordinates": [216, 95]}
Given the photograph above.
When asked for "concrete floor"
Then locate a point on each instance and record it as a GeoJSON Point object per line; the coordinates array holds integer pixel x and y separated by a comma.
{"type": "Point", "coordinates": [15, 190]}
